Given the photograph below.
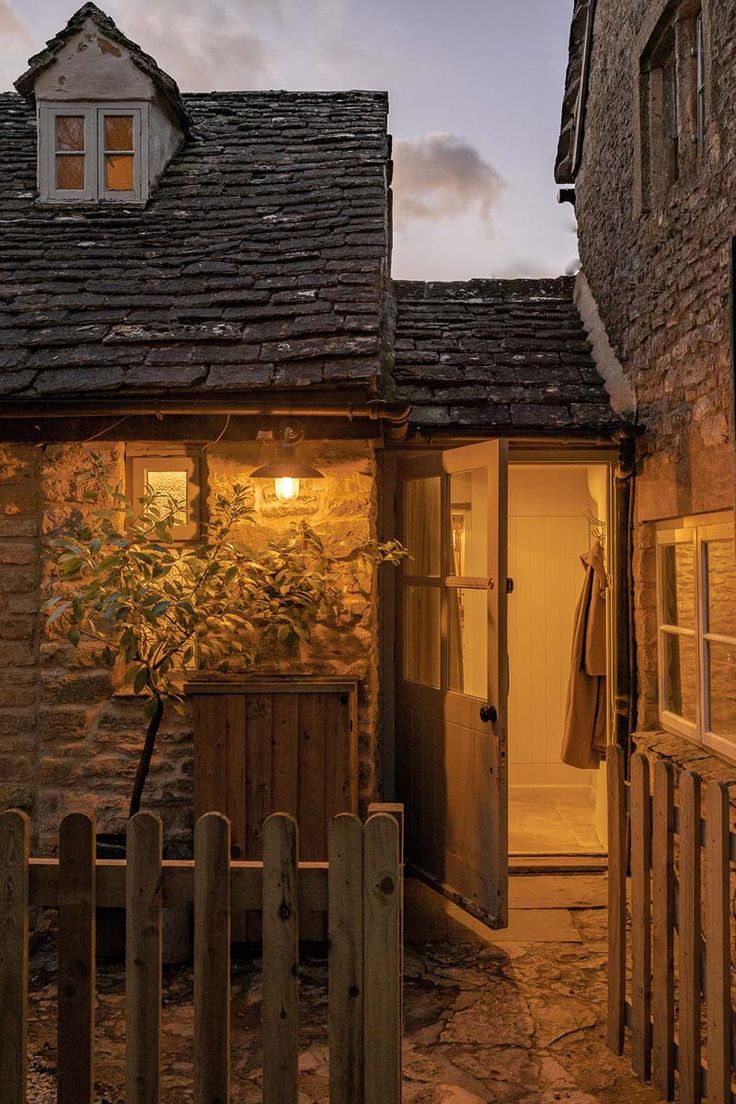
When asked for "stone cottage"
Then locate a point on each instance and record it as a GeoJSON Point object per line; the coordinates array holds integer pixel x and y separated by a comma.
{"type": "Point", "coordinates": [646, 142]}
{"type": "Point", "coordinates": [189, 281]}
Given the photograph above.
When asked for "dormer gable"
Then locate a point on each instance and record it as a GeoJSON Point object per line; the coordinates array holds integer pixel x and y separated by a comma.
{"type": "Point", "coordinates": [109, 120]}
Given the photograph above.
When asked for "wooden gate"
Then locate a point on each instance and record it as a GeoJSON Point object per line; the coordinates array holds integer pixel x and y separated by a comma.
{"type": "Point", "coordinates": [669, 934]}
{"type": "Point", "coordinates": [359, 889]}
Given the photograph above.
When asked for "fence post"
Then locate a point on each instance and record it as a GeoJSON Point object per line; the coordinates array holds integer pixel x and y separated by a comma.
{"type": "Point", "coordinates": [345, 895]}
{"type": "Point", "coordinates": [663, 931]}
{"type": "Point", "coordinates": [143, 959]}
{"type": "Point", "coordinates": [717, 942]}
{"type": "Point", "coordinates": [14, 854]}
{"type": "Point", "coordinates": [212, 959]}
{"type": "Point", "coordinates": [382, 960]}
{"type": "Point", "coordinates": [280, 960]}
{"type": "Point", "coordinates": [641, 934]}
{"type": "Point", "coordinates": [690, 940]}
{"type": "Point", "coordinates": [76, 971]}
{"type": "Point", "coordinates": [616, 899]}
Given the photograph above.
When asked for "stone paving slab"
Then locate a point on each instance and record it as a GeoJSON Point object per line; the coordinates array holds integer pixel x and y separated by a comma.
{"type": "Point", "coordinates": [486, 1023]}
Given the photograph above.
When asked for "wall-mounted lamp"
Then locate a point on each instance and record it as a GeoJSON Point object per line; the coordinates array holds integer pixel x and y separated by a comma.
{"type": "Point", "coordinates": [286, 469]}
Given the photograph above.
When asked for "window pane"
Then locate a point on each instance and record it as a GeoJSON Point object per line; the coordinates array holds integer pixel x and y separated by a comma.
{"type": "Point", "coordinates": [172, 486]}
{"type": "Point", "coordinates": [422, 635]}
{"type": "Point", "coordinates": [119, 173]}
{"type": "Point", "coordinates": [70, 132]}
{"type": "Point", "coordinates": [119, 132]}
{"type": "Point", "coordinates": [469, 522]}
{"type": "Point", "coordinates": [422, 526]}
{"type": "Point", "coordinates": [722, 689]}
{"type": "Point", "coordinates": [721, 586]}
{"type": "Point", "coordinates": [69, 172]}
{"type": "Point", "coordinates": [468, 641]}
{"type": "Point", "coordinates": [680, 685]}
{"type": "Point", "coordinates": [678, 585]}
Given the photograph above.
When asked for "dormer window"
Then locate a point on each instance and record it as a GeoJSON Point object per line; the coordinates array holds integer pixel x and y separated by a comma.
{"type": "Point", "coordinates": [93, 153]}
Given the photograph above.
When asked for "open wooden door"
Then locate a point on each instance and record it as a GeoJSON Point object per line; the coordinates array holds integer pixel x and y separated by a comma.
{"type": "Point", "coordinates": [453, 674]}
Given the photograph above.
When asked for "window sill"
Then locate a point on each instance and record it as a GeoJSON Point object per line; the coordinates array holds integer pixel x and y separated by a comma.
{"type": "Point", "coordinates": [686, 755]}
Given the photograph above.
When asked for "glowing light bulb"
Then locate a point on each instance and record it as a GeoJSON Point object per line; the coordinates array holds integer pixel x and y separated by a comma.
{"type": "Point", "coordinates": [287, 489]}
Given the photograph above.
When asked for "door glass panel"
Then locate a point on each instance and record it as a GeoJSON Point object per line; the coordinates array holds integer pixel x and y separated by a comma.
{"type": "Point", "coordinates": [422, 635]}
{"type": "Point", "coordinates": [469, 523]}
{"type": "Point", "coordinates": [678, 585]}
{"type": "Point", "coordinates": [680, 684]}
{"type": "Point", "coordinates": [722, 689]}
{"type": "Point", "coordinates": [721, 579]}
{"type": "Point", "coordinates": [467, 618]}
{"type": "Point", "coordinates": [422, 525]}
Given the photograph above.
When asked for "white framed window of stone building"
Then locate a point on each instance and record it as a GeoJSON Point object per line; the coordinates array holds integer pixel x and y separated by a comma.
{"type": "Point", "coordinates": [176, 474]}
{"type": "Point", "coordinates": [696, 630]}
{"type": "Point", "coordinates": [93, 152]}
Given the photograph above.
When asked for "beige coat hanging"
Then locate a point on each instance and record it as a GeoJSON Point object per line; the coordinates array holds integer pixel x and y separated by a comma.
{"type": "Point", "coordinates": [584, 739]}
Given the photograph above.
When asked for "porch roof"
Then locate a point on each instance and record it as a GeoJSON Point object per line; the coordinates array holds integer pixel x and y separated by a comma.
{"type": "Point", "coordinates": [258, 264]}
{"type": "Point", "coordinates": [498, 355]}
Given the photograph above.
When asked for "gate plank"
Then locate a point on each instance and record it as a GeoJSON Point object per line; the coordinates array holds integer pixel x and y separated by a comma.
{"type": "Point", "coordinates": [382, 960]}
{"type": "Point", "coordinates": [212, 960]}
{"type": "Point", "coordinates": [717, 941]}
{"type": "Point", "coordinates": [641, 965]}
{"type": "Point", "coordinates": [76, 972]}
{"type": "Point", "coordinates": [616, 899]}
{"type": "Point", "coordinates": [690, 940]}
{"type": "Point", "coordinates": [346, 960]}
{"type": "Point", "coordinates": [14, 854]}
{"type": "Point", "coordinates": [280, 961]}
{"type": "Point", "coordinates": [144, 838]}
{"type": "Point", "coordinates": [663, 928]}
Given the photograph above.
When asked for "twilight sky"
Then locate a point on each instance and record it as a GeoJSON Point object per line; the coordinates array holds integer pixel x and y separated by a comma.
{"type": "Point", "coordinates": [475, 89]}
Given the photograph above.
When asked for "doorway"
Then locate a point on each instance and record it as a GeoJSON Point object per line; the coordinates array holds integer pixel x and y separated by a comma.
{"type": "Point", "coordinates": [554, 809]}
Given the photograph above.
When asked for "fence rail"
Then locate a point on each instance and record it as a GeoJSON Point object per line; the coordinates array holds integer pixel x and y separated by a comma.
{"type": "Point", "coordinates": [669, 928]}
{"type": "Point", "coordinates": [359, 889]}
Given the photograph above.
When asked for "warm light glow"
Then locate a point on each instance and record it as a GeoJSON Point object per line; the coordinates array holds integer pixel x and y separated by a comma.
{"type": "Point", "coordinates": [287, 489]}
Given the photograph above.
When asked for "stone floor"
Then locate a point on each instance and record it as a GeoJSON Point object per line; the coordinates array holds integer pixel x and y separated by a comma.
{"type": "Point", "coordinates": [514, 1017]}
{"type": "Point", "coordinates": [552, 820]}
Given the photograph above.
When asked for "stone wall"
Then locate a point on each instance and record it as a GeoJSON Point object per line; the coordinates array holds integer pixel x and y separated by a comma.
{"type": "Point", "coordinates": [659, 275]}
{"type": "Point", "coordinates": [69, 738]}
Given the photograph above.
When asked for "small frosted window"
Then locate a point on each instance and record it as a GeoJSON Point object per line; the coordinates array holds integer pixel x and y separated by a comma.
{"type": "Point", "coordinates": [119, 174]}
{"type": "Point", "coordinates": [172, 487]}
{"type": "Point", "coordinates": [70, 156]}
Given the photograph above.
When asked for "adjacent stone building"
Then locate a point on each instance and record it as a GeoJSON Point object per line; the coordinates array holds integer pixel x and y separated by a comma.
{"type": "Point", "coordinates": [647, 142]}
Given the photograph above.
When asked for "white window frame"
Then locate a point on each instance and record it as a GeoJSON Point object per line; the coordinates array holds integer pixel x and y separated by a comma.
{"type": "Point", "coordinates": [94, 153]}
{"type": "Point", "coordinates": [697, 532]}
{"type": "Point", "coordinates": [143, 459]}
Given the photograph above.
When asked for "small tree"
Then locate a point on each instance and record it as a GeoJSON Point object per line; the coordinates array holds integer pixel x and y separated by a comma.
{"type": "Point", "coordinates": [156, 607]}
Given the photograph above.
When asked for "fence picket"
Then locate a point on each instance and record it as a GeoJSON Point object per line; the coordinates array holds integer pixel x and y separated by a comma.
{"type": "Point", "coordinates": [641, 965]}
{"type": "Point", "coordinates": [76, 970]}
{"type": "Point", "coordinates": [663, 927]}
{"type": "Point", "coordinates": [717, 942]}
{"type": "Point", "coordinates": [144, 839]}
{"type": "Point", "coordinates": [616, 899]}
{"type": "Point", "coordinates": [345, 853]}
{"type": "Point", "coordinates": [14, 855]}
{"type": "Point", "coordinates": [382, 960]}
{"type": "Point", "coordinates": [690, 940]}
{"type": "Point", "coordinates": [280, 960]}
{"type": "Point", "coordinates": [212, 959]}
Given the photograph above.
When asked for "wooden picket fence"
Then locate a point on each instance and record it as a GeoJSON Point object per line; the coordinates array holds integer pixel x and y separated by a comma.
{"type": "Point", "coordinates": [677, 1005]}
{"type": "Point", "coordinates": [359, 889]}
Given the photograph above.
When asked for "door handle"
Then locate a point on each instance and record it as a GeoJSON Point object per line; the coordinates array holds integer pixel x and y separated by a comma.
{"type": "Point", "coordinates": [488, 713]}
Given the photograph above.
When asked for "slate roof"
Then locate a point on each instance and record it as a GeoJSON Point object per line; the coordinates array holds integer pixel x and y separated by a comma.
{"type": "Point", "coordinates": [508, 355]}
{"type": "Point", "coordinates": [258, 263]}
{"type": "Point", "coordinates": [574, 101]}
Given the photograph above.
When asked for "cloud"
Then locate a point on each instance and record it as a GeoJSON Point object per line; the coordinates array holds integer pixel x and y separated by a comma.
{"type": "Point", "coordinates": [443, 176]}
{"type": "Point", "coordinates": [16, 43]}
{"type": "Point", "coordinates": [11, 25]}
{"type": "Point", "coordinates": [203, 46]}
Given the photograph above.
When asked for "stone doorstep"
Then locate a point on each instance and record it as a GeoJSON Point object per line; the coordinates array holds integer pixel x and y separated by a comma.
{"type": "Point", "coordinates": [541, 912]}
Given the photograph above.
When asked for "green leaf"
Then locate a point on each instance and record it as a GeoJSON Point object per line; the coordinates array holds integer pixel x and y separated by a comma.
{"type": "Point", "coordinates": [141, 679]}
